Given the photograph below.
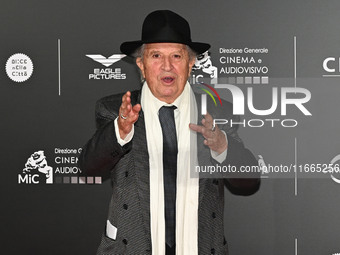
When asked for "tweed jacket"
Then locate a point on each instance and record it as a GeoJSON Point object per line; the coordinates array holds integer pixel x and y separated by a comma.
{"type": "Point", "coordinates": [128, 167]}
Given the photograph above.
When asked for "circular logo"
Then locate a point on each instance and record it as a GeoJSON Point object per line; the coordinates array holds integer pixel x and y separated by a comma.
{"type": "Point", "coordinates": [19, 67]}
{"type": "Point", "coordinates": [335, 175]}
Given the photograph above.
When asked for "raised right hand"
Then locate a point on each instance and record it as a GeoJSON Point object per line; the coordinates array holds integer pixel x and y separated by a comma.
{"type": "Point", "coordinates": [128, 115]}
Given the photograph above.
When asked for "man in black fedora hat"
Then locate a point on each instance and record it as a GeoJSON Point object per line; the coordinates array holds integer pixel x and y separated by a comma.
{"type": "Point", "coordinates": [148, 141]}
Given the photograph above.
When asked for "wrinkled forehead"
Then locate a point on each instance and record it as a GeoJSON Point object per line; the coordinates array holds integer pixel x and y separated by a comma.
{"type": "Point", "coordinates": [165, 47]}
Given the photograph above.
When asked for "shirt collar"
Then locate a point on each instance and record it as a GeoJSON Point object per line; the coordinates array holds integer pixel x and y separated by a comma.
{"type": "Point", "coordinates": [147, 96]}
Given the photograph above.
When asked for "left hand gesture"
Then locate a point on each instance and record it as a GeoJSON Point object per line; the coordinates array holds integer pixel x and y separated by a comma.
{"type": "Point", "coordinates": [214, 138]}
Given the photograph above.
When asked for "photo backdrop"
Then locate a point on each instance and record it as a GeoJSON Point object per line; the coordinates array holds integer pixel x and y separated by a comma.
{"type": "Point", "coordinates": [57, 58]}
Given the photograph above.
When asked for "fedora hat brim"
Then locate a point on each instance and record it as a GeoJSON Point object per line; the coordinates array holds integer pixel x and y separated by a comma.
{"type": "Point", "coordinates": [129, 48]}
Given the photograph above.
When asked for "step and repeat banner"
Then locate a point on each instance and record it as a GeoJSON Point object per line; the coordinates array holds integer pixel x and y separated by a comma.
{"type": "Point", "coordinates": [278, 62]}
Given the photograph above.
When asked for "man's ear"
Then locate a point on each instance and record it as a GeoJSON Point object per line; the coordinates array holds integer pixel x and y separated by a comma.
{"type": "Point", "coordinates": [191, 64]}
{"type": "Point", "coordinates": [140, 64]}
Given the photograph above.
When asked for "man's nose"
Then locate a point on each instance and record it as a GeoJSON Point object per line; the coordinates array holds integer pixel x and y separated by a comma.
{"type": "Point", "coordinates": [167, 64]}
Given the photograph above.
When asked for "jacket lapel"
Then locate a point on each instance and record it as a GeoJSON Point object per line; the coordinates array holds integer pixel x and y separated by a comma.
{"type": "Point", "coordinates": [141, 165]}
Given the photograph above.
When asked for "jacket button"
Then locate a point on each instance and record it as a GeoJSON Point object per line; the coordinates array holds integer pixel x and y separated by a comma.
{"type": "Point", "coordinates": [212, 251]}
{"type": "Point", "coordinates": [126, 174]}
{"type": "Point", "coordinates": [124, 241]}
{"type": "Point", "coordinates": [213, 215]}
{"type": "Point", "coordinates": [125, 206]}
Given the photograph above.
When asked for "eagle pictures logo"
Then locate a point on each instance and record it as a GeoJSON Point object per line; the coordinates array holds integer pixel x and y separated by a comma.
{"type": "Point", "coordinates": [106, 73]}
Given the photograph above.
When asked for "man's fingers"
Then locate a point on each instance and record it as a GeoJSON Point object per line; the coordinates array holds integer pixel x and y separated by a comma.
{"type": "Point", "coordinates": [128, 115]}
{"type": "Point", "coordinates": [125, 110]}
{"type": "Point", "coordinates": [126, 98]}
{"type": "Point", "coordinates": [136, 108]}
{"type": "Point", "coordinates": [207, 133]}
{"type": "Point", "coordinates": [206, 142]}
{"type": "Point", "coordinates": [215, 140]}
{"type": "Point", "coordinates": [196, 128]}
{"type": "Point", "coordinates": [126, 107]}
{"type": "Point", "coordinates": [202, 130]}
{"type": "Point", "coordinates": [207, 121]}
{"type": "Point", "coordinates": [208, 117]}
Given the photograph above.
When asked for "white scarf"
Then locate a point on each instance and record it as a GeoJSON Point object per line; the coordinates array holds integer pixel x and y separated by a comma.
{"type": "Point", "coordinates": [187, 188]}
